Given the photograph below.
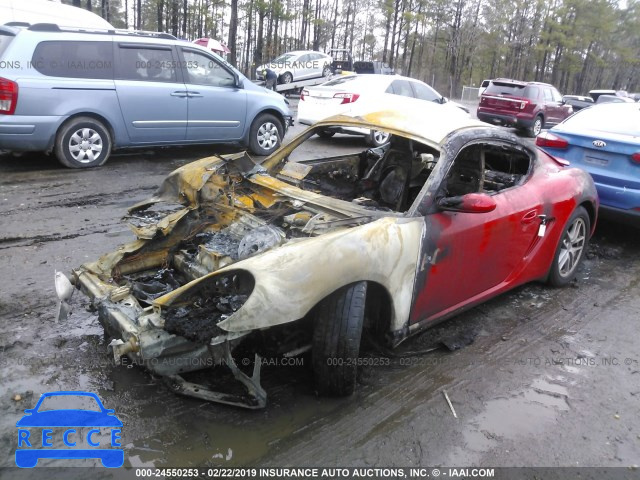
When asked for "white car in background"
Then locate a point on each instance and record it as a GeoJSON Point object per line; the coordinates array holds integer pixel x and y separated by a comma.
{"type": "Point", "coordinates": [359, 94]}
{"type": "Point", "coordinates": [298, 65]}
{"type": "Point", "coordinates": [483, 87]}
{"type": "Point", "coordinates": [49, 11]}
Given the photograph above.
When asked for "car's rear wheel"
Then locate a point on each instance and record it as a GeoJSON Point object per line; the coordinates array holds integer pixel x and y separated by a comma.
{"type": "Point", "coordinates": [336, 339]}
{"type": "Point", "coordinates": [286, 77]}
{"type": "Point", "coordinates": [83, 142]}
{"type": "Point", "coordinates": [265, 135]}
{"type": "Point", "coordinates": [325, 133]}
{"type": "Point", "coordinates": [536, 128]}
{"type": "Point", "coordinates": [571, 248]}
{"type": "Point", "coordinates": [377, 138]}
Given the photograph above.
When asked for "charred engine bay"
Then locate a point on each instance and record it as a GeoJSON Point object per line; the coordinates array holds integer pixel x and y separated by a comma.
{"type": "Point", "coordinates": [240, 221]}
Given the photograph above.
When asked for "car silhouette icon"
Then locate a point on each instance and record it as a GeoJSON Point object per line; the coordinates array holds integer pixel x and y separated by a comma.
{"type": "Point", "coordinates": [63, 422]}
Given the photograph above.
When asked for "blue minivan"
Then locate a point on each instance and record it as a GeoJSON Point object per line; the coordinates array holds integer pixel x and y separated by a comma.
{"type": "Point", "coordinates": [82, 94]}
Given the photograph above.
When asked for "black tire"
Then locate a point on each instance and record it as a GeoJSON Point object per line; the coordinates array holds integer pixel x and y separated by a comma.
{"type": "Point", "coordinates": [286, 77]}
{"type": "Point", "coordinates": [325, 133]}
{"type": "Point", "coordinates": [336, 340]}
{"type": "Point", "coordinates": [377, 138]}
{"type": "Point", "coordinates": [326, 71]}
{"type": "Point", "coordinates": [571, 248]}
{"type": "Point", "coordinates": [265, 135]}
{"type": "Point", "coordinates": [83, 142]}
{"type": "Point", "coordinates": [534, 130]}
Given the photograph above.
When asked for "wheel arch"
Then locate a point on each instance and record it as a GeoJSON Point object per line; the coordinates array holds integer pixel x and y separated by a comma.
{"type": "Point", "coordinates": [378, 312]}
{"type": "Point", "coordinates": [591, 211]}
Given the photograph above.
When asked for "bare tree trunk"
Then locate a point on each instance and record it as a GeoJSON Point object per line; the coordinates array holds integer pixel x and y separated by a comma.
{"type": "Point", "coordinates": [160, 11]}
{"type": "Point", "coordinates": [346, 26]}
{"type": "Point", "coordinates": [233, 31]}
{"type": "Point", "coordinates": [248, 71]}
{"type": "Point", "coordinates": [335, 24]}
{"type": "Point", "coordinates": [317, 26]}
{"type": "Point", "coordinates": [174, 18]}
{"type": "Point", "coordinates": [259, 38]}
{"type": "Point", "coordinates": [185, 17]}
{"type": "Point", "coordinates": [269, 46]}
{"type": "Point", "coordinates": [386, 38]}
{"type": "Point", "coordinates": [393, 34]}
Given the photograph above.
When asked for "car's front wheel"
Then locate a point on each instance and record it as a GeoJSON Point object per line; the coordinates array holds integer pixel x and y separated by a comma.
{"type": "Point", "coordinates": [377, 138]}
{"type": "Point", "coordinates": [265, 135]}
{"type": "Point", "coordinates": [571, 248]}
{"type": "Point", "coordinates": [83, 142]}
{"type": "Point", "coordinates": [326, 71]}
{"type": "Point", "coordinates": [336, 339]}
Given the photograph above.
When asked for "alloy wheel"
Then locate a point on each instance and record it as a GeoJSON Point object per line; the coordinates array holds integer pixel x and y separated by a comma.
{"type": "Point", "coordinates": [572, 247]}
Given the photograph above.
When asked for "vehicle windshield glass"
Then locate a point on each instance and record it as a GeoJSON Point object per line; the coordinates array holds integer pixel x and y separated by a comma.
{"type": "Point", "coordinates": [503, 88]}
{"type": "Point", "coordinates": [283, 58]}
{"type": "Point", "coordinates": [607, 118]}
{"type": "Point", "coordinates": [341, 80]}
{"type": "Point", "coordinates": [68, 402]}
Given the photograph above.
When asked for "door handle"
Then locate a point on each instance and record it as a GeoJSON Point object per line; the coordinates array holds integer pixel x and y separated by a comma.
{"type": "Point", "coordinates": [530, 216]}
{"type": "Point", "coordinates": [193, 94]}
{"type": "Point", "coordinates": [179, 93]}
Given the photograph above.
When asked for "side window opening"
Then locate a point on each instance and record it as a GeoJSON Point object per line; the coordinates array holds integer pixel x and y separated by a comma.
{"type": "Point", "coordinates": [486, 168]}
{"type": "Point", "coordinates": [387, 178]}
{"type": "Point", "coordinates": [504, 167]}
{"type": "Point", "coordinates": [146, 64]}
{"type": "Point", "coordinates": [204, 70]}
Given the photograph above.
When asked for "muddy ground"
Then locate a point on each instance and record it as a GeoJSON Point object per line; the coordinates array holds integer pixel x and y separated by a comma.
{"type": "Point", "coordinates": [551, 376]}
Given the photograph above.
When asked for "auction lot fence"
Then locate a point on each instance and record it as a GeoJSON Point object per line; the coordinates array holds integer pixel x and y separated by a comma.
{"type": "Point", "coordinates": [331, 473]}
{"type": "Point", "coordinates": [469, 93]}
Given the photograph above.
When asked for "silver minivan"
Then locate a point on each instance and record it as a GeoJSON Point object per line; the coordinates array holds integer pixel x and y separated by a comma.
{"type": "Point", "coordinates": [83, 94]}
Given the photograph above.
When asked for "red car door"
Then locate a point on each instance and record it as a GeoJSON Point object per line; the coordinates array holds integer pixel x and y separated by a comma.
{"type": "Point", "coordinates": [468, 255]}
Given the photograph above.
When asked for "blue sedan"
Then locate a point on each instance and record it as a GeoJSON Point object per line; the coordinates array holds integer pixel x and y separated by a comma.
{"type": "Point", "coordinates": [604, 140]}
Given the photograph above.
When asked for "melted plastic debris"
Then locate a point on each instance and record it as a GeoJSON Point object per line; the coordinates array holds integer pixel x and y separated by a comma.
{"type": "Point", "coordinates": [222, 243]}
{"type": "Point", "coordinates": [199, 323]}
{"type": "Point", "coordinates": [152, 215]}
{"type": "Point", "coordinates": [149, 287]}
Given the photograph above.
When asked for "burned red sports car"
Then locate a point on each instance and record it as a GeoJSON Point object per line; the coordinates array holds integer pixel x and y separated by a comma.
{"type": "Point", "coordinates": [291, 255]}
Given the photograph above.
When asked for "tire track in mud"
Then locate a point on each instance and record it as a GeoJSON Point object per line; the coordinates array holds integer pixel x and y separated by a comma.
{"type": "Point", "coordinates": [413, 398]}
{"type": "Point", "coordinates": [102, 199]}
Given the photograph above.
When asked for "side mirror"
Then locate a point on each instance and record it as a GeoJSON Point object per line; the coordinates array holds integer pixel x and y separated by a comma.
{"type": "Point", "coordinates": [469, 203]}
{"type": "Point", "coordinates": [444, 100]}
{"type": "Point", "coordinates": [239, 83]}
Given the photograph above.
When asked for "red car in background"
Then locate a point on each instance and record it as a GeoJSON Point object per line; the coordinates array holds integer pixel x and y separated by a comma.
{"type": "Point", "coordinates": [528, 106]}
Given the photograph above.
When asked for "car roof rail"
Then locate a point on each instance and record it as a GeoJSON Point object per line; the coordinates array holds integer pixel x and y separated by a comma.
{"type": "Point", "coordinates": [52, 27]}
{"type": "Point", "coordinates": [17, 24]}
{"type": "Point", "coordinates": [146, 33]}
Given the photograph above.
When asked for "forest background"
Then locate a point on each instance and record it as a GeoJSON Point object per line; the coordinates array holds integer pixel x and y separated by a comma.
{"type": "Point", "coordinates": [577, 45]}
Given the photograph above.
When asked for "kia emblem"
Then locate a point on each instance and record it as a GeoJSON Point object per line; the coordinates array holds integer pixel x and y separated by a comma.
{"type": "Point", "coordinates": [599, 143]}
